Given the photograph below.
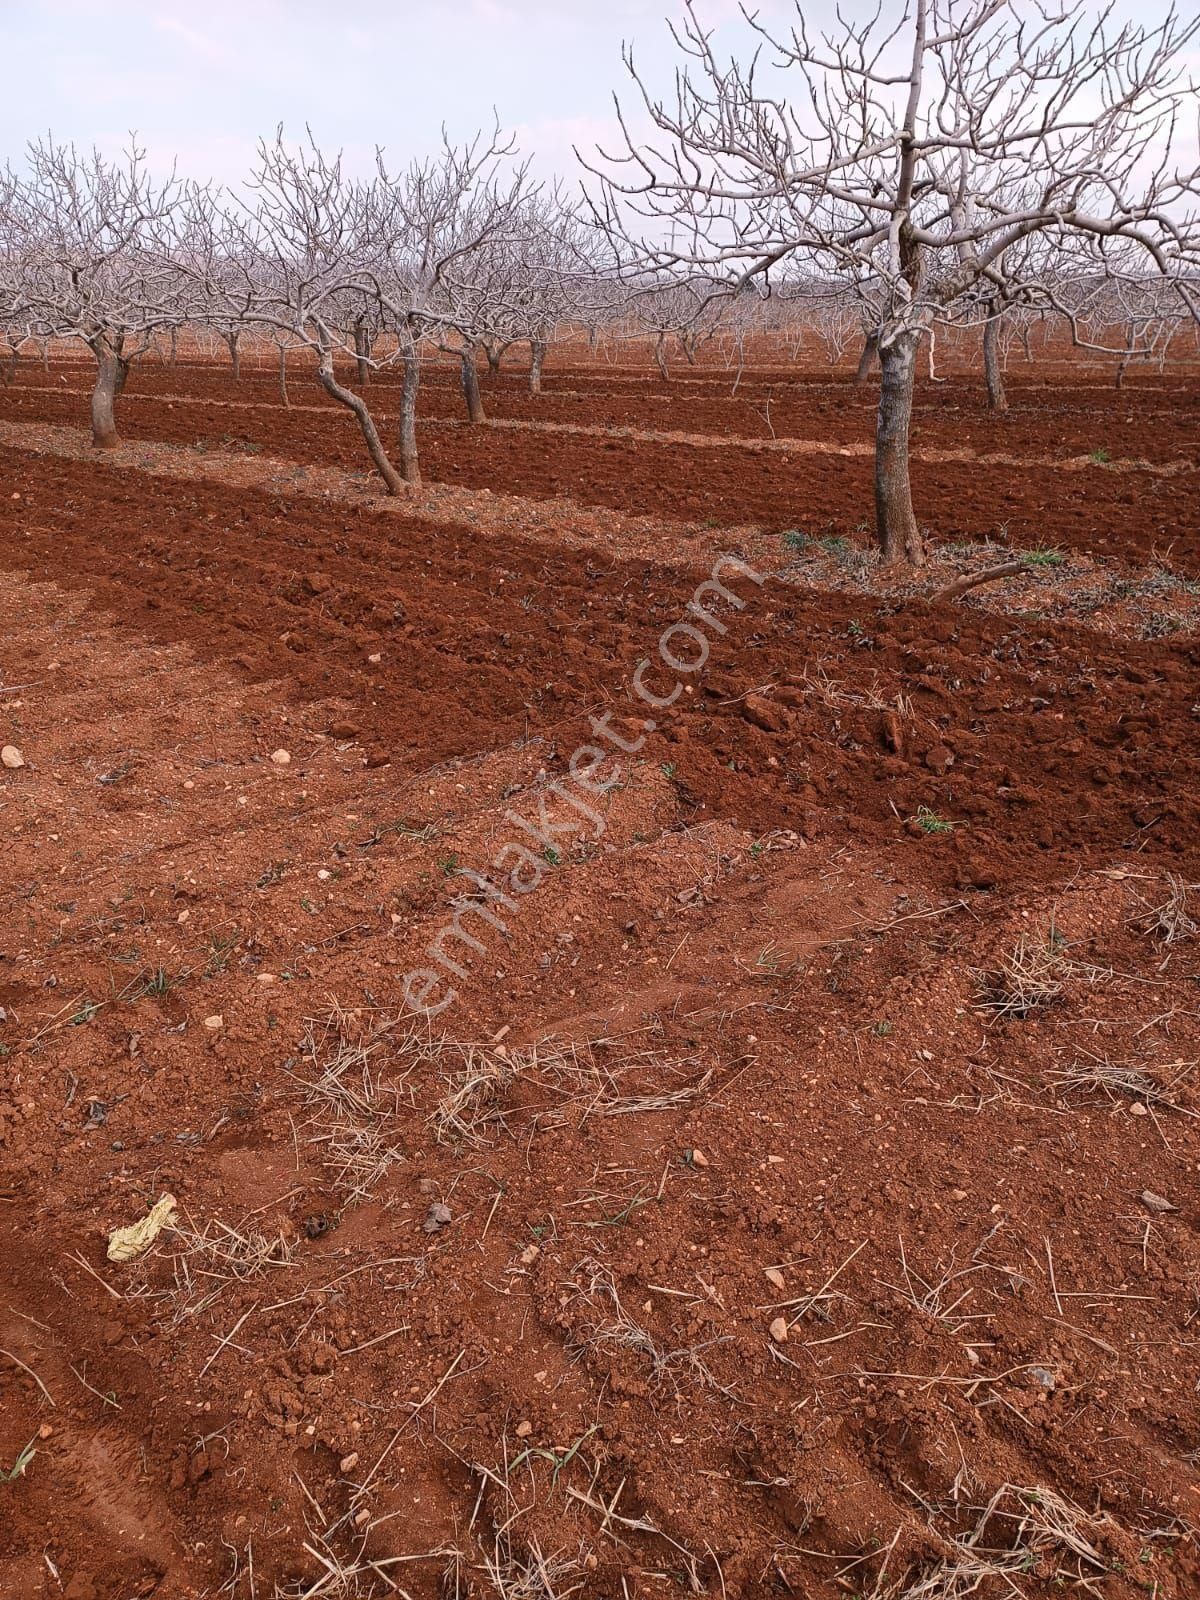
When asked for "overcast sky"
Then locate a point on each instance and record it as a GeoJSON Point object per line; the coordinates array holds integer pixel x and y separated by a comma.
{"type": "Point", "coordinates": [202, 81]}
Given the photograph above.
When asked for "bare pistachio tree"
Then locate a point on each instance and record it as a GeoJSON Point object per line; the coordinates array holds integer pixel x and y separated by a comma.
{"type": "Point", "coordinates": [915, 150]}
{"type": "Point", "coordinates": [293, 259]}
{"type": "Point", "coordinates": [429, 228]}
{"type": "Point", "coordinates": [87, 248]}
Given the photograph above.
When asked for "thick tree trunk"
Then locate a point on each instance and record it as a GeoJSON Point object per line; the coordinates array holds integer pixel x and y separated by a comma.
{"type": "Point", "coordinates": [660, 357]}
{"type": "Point", "coordinates": [896, 526]}
{"type": "Point", "coordinates": [993, 376]}
{"type": "Point", "coordinates": [235, 354]}
{"type": "Point", "coordinates": [494, 350]}
{"type": "Point", "coordinates": [111, 371]}
{"type": "Point", "coordinates": [470, 386]}
{"type": "Point", "coordinates": [358, 405]}
{"type": "Point", "coordinates": [410, 466]}
{"type": "Point", "coordinates": [283, 388]}
{"type": "Point", "coordinates": [537, 354]}
{"type": "Point", "coordinates": [362, 353]}
{"type": "Point", "coordinates": [866, 360]}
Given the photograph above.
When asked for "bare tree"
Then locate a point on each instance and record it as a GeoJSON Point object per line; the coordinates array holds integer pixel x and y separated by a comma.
{"type": "Point", "coordinates": [87, 256]}
{"type": "Point", "coordinates": [295, 259]}
{"type": "Point", "coordinates": [430, 227]}
{"type": "Point", "coordinates": [914, 151]}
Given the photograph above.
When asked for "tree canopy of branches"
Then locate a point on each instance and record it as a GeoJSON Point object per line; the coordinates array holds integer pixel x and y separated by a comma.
{"type": "Point", "coordinates": [913, 155]}
{"type": "Point", "coordinates": [86, 248]}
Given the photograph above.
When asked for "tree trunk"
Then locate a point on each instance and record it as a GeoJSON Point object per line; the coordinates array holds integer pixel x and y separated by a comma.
{"type": "Point", "coordinates": [111, 371]}
{"type": "Point", "coordinates": [174, 356]}
{"type": "Point", "coordinates": [537, 354]}
{"type": "Point", "coordinates": [993, 376]}
{"type": "Point", "coordinates": [358, 405]}
{"type": "Point", "coordinates": [495, 349]}
{"type": "Point", "coordinates": [362, 352]}
{"type": "Point", "coordinates": [866, 360]}
{"type": "Point", "coordinates": [687, 343]}
{"type": "Point", "coordinates": [235, 354]}
{"type": "Point", "coordinates": [660, 357]}
{"type": "Point", "coordinates": [10, 365]}
{"type": "Point", "coordinates": [470, 385]}
{"type": "Point", "coordinates": [283, 389]}
{"type": "Point", "coordinates": [410, 465]}
{"type": "Point", "coordinates": [895, 524]}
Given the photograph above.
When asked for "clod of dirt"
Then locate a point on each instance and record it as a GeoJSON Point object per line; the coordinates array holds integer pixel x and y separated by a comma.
{"type": "Point", "coordinates": [317, 582]}
{"type": "Point", "coordinates": [343, 729]}
{"type": "Point", "coordinates": [764, 713]}
{"type": "Point", "coordinates": [939, 759]}
{"type": "Point", "coordinates": [437, 1217]}
{"type": "Point", "coordinates": [281, 758]}
{"type": "Point", "coordinates": [779, 1330]}
{"type": "Point", "coordinates": [12, 757]}
{"type": "Point", "coordinates": [891, 731]}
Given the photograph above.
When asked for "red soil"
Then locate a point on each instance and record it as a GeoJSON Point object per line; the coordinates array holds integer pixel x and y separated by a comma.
{"type": "Point", "coordinates": [765, 984]}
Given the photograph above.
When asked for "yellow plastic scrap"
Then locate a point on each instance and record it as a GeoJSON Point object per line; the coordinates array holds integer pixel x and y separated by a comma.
{"type": "Point", "coordinates": [126, 1243]}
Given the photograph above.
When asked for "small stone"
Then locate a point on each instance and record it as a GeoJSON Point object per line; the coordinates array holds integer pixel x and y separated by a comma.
{"type": "Point", "coordinates": [215, 1021]}
{"type": "Point", "coordinates": [265, 977]}
{"type": "Point", "coordinates": [1137, 1109]}
{"type": "Point", "coordinates": [524, 1429]}
{"type": "Point", "coordinates": [1043, 1379]}
{"type": "Point", "coordinates": [375, 659]}
{"type": "Point", "coordinates": [779, 1330]}
{"type": "Point", "coordinates": [12, 757]}
{"type": "Point", "coordinates": [958, 1194]}
{"type": "Point", "coordinates": [775, 1277]}
{"type": "Point", "coordinates": [697, 1158]}
{"type": "Point", "coordinates": [45, 1431]}
{"type": "Point", "coordinates": [348, 1463]}
{"type": "Point", "coordinates": [530, 1254]}
{"type": "Point", "coordinates": [1156, 1202]}
{"type": "Point", "coordinates": [281, 758]}
{"type": "Point", "coordinates": [437, 1218]}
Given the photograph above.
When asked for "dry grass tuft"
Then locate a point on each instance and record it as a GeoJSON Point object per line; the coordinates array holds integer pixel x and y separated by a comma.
{"type": "Point", "coordinates": [357, 1091]}
{"type": "Point", "coordinates": [209, 1260]}
{"type": "Point", "coordinates": [611, 1327]}
{"type": "Point", "coordinates": [1097, 1075]}
{"type": "Point", "coordinates": [1019, 1531]}
{"type": "Point", "coordinates": [1033, 975]}
{"type": "Point", "coordinates": [1170, 920]}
